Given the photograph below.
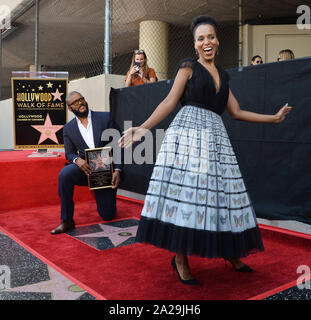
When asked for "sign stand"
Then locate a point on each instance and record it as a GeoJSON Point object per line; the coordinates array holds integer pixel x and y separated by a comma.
{"type": "Point", "coordinates": [44, 153]}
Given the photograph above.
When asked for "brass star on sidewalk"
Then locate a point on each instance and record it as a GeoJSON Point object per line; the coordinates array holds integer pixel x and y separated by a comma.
{"type": "Point", "coordinates": [58, 286]}
{"type": "Point", "coordinates": [116, 235]}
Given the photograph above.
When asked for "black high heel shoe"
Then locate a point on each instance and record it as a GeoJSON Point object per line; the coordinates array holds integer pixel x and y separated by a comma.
{"type": "Point", "coordinates": [192, 281]}
{"type": "Point", "coordinates": [245, 267]}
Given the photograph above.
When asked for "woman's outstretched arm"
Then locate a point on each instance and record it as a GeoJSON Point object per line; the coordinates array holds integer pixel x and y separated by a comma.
{"type": "Point", "coordinates": [170, 102]}
{"type": "Point", "coordinates": [161, 112]}
{"type": "Point", "coordinates": [237, 113]}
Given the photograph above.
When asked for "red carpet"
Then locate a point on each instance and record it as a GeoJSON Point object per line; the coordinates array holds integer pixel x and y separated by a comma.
{"type": "Point", "coordinates": [31, 182]}
{"type": "Point", "coordinates": [137, 271]}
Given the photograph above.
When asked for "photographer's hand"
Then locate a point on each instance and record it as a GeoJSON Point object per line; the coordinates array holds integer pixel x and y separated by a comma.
{"type": "Point", "coordinates": [133, 70]}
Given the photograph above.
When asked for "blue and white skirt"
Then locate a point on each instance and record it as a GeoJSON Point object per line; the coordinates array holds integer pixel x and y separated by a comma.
{"type": "Point", "coordinates": [196, 201]}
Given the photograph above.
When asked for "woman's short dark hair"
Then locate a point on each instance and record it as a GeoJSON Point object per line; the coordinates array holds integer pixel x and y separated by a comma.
{"type": "Point", "coordinates": [255, 57]}
{"type": "Point", "coordinates": [202, 20]}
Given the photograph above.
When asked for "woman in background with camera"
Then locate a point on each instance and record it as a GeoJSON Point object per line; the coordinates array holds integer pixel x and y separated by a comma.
{"type": "Point", "coordinates": [139, 72]}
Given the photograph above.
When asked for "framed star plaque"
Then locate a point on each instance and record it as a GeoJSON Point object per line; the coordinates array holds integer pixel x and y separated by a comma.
{"type": "Point", "coordinates": [100, 161]}
{"type": "Point", "coordinates": [40, 113]}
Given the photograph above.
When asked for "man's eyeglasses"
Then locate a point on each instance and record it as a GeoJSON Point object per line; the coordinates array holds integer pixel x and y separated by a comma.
{"type": "Point", "coordinates": [139, 51]}
{"type": "Point", "coordinates": [77, 102]}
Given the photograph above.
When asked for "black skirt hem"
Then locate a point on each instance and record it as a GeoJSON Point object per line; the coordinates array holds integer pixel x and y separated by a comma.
{"type": "Point", "coordinates": [204, 243]}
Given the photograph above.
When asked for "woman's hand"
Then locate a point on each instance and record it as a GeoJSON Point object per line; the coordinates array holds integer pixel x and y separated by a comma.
{"type": "Point", "coordinates": [133, 70]}
{"type": "Point", "coordinates": [131, 135]}
{"type": "Point", "coordinates": [283, 112]}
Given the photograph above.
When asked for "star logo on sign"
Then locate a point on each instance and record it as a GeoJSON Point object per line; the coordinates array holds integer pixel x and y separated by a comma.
{"type": "Point", "coordinates": [57, 95]}
{"type": "Point", "coordinates": [49, 85]}
{"type": "Point", "coordinates": [48, 130]}
{"type": "Point", "coordinates": [40, 88]}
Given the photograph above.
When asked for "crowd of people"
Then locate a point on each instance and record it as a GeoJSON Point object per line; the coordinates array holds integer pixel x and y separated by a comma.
{"type": "Point", "coordinates": [285, 54]}
{"type": "Point", "coordinates": [140, 73]}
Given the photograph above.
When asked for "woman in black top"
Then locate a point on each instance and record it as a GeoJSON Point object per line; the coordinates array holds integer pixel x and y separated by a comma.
{"type": "Point", "coordinates": [197, 202]}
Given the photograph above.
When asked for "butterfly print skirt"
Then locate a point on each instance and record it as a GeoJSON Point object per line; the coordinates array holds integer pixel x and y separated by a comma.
{"type": "Point", "coordinates": [196, 201]}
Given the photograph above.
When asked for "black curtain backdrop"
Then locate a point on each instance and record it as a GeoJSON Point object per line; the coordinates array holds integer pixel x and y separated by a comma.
{"type": "Point", "coordinates": [274, 158]}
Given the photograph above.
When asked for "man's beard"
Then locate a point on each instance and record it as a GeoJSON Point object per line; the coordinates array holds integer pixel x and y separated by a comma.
{"type": "Point", "coordinates": [83, 114]}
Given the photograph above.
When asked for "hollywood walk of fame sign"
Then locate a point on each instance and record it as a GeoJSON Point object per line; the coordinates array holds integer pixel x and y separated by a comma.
{"type": "Point", "coordinates": [40, 112]}
{"type": "Point", "coordinates": [100, 161]}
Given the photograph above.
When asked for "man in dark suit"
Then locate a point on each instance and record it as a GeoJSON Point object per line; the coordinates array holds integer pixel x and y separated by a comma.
{"type": "Point", "coordinates": [84, 132]}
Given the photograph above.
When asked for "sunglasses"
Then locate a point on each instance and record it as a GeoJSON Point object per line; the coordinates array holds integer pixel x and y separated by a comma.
{"type": "Point", "coordinates": [139, 51]}
{"type": "Point", "coordinates": [258, 62]}
{"type": "Point", "coordinates": [77, 102]}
